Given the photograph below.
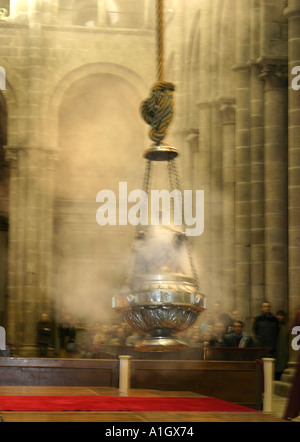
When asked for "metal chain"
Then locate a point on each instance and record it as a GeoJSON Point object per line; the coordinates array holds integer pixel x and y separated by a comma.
{"type": "Point", "coordinates": [146, 186]}
{"type": "Point", "coordinates": [188, 242]}
{"type": "Point", "coordinates": [147, 176]}
{"type": "Point", "coordinates": [171, 183]}
{"type": "Point", "coordinates": [132, 261]}
{"type": "Point", "coordinates": [192, 263]}
{"type": "Point", "coordinates": [177, 186]}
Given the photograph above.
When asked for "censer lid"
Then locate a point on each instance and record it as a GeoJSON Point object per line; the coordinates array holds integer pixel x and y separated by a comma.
{"type": "Point", "coordinates": [161, 152]}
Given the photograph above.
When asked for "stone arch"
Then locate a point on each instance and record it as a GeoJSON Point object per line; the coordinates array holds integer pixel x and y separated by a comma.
{"type": "Point", "coordinates": [51, 106]}
{"type": "Point", "coordinates": [86, 164]}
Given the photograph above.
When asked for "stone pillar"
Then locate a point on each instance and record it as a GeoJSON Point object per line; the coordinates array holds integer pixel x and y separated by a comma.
{"type": "Point", "coordinates": [65, 12]}
{"type": "Point", "coordinates": [51, 11]}
{"type": "Point", "coordinates": [242, 159]}
{"type": "Point", "coordinates": [276, 286]}
{"type": "Point", "coordinates": [292, 13]}
{"type": "Point", "coordinates": [257, 191]}
{"type": "Point", "coordinates": [204, 171]}
{"type": "Point", "coordinates": [149, 14]}
{"type": "Point", "coordinates": [15, 250]}
{"type": "Point", "coordinates": [102, 13]}
{"type": "Point", "coordinates": [31, 215]}
{"type": "Point", "coordinates": [227, 109]}
{"type": "Point", "coordinates": [216, 213]}
{"type": "Point", "coordinates": [30, 245]}
{"type": "Point", "coordinates": [3, 268]}
{"type": "Point", "coordinates": [191, 162]}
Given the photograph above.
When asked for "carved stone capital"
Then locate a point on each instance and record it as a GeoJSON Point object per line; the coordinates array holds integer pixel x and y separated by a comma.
{"type": "Point", "coordinates": [275, 74]}
{"type": "Point", "coordinates": [192, 138]}
{"type": "Point", "coordinates": [292, 12]}
{"type": "Point", "coordinates": [227, 108]}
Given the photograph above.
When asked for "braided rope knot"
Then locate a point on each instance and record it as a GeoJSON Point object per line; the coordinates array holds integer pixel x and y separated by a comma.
{"type": "Point", "coordinates": [158, 110]}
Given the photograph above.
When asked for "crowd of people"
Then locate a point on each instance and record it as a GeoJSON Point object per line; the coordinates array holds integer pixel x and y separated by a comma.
{"type": "Point", "coordinates": [213, 329]}
{"type": "Point", "coordinates": [218, 329]}
{"type": "Point", "coordinates": [84, 341]}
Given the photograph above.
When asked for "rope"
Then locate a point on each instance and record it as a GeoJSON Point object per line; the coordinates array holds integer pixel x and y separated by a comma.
{"type": "Point", "coordinates": [160, 43]}
{"type": "Point", "coordinates": [157, 110]}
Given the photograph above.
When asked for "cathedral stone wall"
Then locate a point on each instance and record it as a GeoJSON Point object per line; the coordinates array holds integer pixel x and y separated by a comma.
{"type": "Point", "coordinates": [76, 74]}
{"type": "Point", "coordinates": [58, 56]}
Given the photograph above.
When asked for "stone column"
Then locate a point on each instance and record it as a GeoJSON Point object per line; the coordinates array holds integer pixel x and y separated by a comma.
{"type": "Point", "coordinates": [257, 191]}
{"type": "Point", "coordinates": [191, 161]}
{"type": "Point", "coordinates": [30, 245]}
{"type": "Point", "coordinates": [216, 199]}
{"type": "Point", "coordinates": [227, 109]}
{"type": "Point", "coordinates": [242, 159]}
{"type": "Point", "coordinates": [51, 11]}
{"type": "Point", "coordinates": [65, 12]}
{"type": "Point", "coordinates": [102, 13]}
{"type": "Point", "coordinates": [31, 215]}
{"type": "Point", "coordinates": [292, 13]}
{"type": "Point", "coordinates": [3, 268]}
{"type": "Point", "coordinates": [149, 14]}
{"type": "Point", "coordinates": [15, 250]}
{"type": "Point", "coordinates": [276, 286]}
{"type": "Point", "coordinates": [204, 171]}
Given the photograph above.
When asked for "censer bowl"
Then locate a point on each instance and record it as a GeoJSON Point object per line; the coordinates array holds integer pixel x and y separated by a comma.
{"type": "Point", "coordinates": [160, 306]}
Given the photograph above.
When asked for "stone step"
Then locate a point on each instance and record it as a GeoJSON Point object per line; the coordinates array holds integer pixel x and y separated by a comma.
{"type": "Point", "coordinates": [287, 377]}
{"type": "Point", "coordinates": [282, 388]}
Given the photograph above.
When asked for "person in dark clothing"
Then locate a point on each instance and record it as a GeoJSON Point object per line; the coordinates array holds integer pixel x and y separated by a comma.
{"type": "Point", "coordinates": [238, 338]}
{"type": "Point", "coordinates": [44, 334]}
{"type": "Point", "coordinates": [67, 337]}
{"type": "Point", "coordinates": [266, 329]}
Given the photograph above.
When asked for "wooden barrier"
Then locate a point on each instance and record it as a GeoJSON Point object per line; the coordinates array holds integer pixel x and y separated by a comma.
{"type": "Point", "coordinates": [188, 354]}
{"type": "Point", "coordinates": [238, 382]}
{"type": "Point", "coordinates": [59, 372]}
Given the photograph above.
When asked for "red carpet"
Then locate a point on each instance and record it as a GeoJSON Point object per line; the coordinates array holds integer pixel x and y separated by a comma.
{"type": "Point", "coordinates": [111, 403]}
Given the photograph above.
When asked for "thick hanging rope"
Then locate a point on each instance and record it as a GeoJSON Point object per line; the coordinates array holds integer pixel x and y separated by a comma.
{"type": "Point", "coordinates": [158, 109]}
{"type": "Point", "coordinates": [160, 42]}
